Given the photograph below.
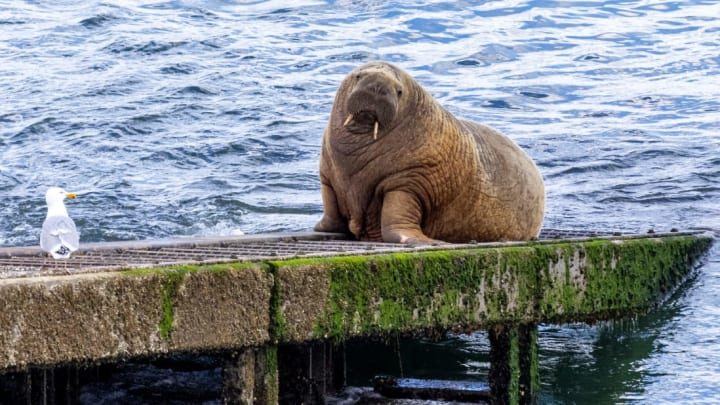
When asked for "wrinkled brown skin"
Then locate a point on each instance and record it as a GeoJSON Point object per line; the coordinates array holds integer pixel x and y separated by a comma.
{"type": "Point", "coordinates": [428, 177]}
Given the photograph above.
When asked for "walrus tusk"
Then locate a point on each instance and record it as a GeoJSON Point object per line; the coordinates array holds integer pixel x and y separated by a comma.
{"type": "Point", "coordinates": [375, 131]}
{"type": "Point", "coordinates": [347, 121]}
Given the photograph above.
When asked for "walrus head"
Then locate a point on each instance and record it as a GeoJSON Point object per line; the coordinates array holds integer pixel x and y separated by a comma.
{"type": "Point", "coordinates": [374, 98]}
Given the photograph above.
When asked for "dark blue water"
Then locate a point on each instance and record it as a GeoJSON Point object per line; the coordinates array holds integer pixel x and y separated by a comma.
{"type": "Point", "coordinates": [205, 118]}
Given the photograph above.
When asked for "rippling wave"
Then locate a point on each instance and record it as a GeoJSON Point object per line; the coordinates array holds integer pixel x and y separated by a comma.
{"type": "Point", "coordinates": [200, 118]}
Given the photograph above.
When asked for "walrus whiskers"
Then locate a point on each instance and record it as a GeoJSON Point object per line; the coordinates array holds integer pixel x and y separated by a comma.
{"type": "Point", "coordinates": [375, 131]}
{"type": "Point", "coordinates": [347, 120]}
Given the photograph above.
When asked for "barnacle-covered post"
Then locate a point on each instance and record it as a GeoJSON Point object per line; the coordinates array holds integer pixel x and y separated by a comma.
{"type": "Point", "coordinates": [514, 377]}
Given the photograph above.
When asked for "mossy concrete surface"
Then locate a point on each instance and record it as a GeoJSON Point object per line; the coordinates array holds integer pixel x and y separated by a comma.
{"type": "Point", "coordinates": [341, 297]}
{"type": "Point", "coordinates": [105, 316]}
{"type": "Point", "coordinates": [607, 279]}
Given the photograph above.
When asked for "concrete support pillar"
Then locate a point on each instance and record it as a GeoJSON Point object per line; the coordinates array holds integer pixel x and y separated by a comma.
{"type": "Point", "coordinates": [250, 377]}
{"type": "Point", "coordinates": [310, 371]}
{"type": "Point", "coordinates": [514, 376]}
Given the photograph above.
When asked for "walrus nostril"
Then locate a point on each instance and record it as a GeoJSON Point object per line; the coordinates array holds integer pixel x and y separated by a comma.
{"type": "Point", "coordinates": [378, 88]}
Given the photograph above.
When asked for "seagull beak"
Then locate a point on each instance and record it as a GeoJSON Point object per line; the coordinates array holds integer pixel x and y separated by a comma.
{"type": "Point", "coordinates": [71, 196]}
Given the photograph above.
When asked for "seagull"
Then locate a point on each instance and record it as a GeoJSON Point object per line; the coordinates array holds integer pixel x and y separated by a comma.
{"type": "Point", "coordinates": [59, 237]}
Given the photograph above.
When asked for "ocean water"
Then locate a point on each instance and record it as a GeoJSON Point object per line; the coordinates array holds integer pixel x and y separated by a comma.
{"type": "Point", "coordinates": [205, 118]}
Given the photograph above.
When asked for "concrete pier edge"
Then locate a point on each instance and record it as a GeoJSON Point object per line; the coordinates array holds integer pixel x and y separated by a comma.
{"type": "Point", "coordinates": [94, 317]}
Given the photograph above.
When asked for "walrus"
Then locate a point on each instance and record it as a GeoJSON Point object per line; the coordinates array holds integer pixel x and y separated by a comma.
{"type": "Point", "coordinates": [397, 167]}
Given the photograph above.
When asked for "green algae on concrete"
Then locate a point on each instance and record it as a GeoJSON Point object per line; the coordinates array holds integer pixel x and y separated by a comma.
{"type": "Point", "coordinates": [514, 365]}
{"type": "Point", "coordinates": [478, 287]}
{"type": "Point", "coordinates": [170, 284]}
{"type": "Point", "coordinates": [414, 291]}
{"type": "Point", "coordinates": [514, 374]}
{"type": "Point", "coordinates": [277, 317]}
{"type": "Point", "coordinates": [603, 279]}
{"type": "Point", "coordinates": [271, 373]}
{"type": "Point", "coordinates": [228, 296]}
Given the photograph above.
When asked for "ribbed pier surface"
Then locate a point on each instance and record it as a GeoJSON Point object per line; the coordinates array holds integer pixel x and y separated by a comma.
{"type": "Point", "coordinates": [98, 257]}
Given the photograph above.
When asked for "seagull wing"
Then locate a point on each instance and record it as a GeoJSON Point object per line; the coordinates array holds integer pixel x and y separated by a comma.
{"type": "Point", "coordinates": [58, 231]}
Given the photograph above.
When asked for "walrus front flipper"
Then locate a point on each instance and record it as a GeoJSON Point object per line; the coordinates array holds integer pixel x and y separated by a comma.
{"type": "Point", "coordinates": [331, 220]}
{"type": "Point", "coordinates": [401, 217]}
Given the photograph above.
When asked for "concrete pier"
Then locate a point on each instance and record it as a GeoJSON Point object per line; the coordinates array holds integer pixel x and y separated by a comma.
{"type": "Point", "coordinates": [514, 377]}
{"type": "Point", "coordinates": [250, 376]}
{"type": "Point", "coordinates": [285, 313]}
